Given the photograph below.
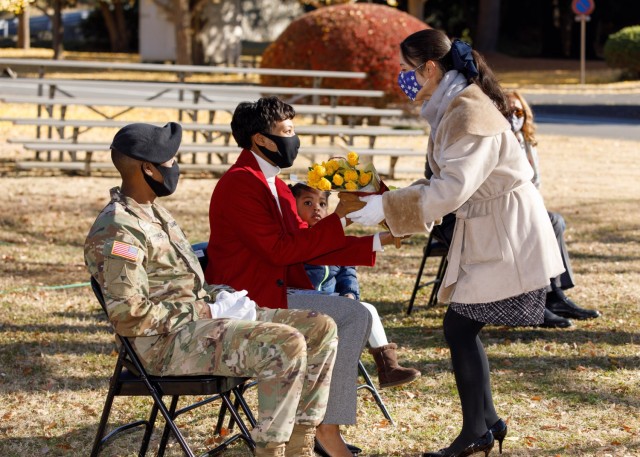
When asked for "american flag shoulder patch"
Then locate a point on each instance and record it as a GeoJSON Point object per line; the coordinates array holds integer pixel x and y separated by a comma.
{"type": "Point", "coordinates": [124, 250]}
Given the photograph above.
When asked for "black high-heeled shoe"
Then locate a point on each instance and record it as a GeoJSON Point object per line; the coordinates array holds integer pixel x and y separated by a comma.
{"type": "Point", "coordinates": [483, 444]}
{"type": "Point", "coordinates": [499, 430]}
{"type": "Point", "coordinates": [320, 450]}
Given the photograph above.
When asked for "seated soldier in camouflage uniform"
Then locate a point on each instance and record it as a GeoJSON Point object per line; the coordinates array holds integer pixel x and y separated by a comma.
{"type": "Point", "coordinates": [156, 294]}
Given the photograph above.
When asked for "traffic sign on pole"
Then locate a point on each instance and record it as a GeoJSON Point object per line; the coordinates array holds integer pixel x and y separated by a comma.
{"type": "Point", "coordinates": [583, 7]}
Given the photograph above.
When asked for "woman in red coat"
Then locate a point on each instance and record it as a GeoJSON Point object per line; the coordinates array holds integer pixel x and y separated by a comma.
{"type": "Point", "coordinates": [257, 243]}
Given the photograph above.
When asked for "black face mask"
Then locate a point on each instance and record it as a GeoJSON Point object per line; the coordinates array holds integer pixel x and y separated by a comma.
{"type": "Point", "coordinates": [169, 184]}
{"type": "Point", "coordinates": [287, 149]}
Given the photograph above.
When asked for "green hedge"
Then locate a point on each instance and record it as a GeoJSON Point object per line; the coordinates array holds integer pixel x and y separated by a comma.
{"type": "Point", "coordinates": [622, 50]}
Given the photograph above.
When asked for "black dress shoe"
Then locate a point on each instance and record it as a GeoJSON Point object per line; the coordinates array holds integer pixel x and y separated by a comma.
{"type": "Point", "coordinates": [483, 444]}
{"type": "Point", "coordinates": [553, 321]}
{"type": "Point", "coordinates": [563, 306]}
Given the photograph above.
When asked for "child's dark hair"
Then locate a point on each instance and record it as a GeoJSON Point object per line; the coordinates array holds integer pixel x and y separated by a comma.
{"type": "Point", "coordinates": [298, 188]}
{"type": "Point", "coordinates": [250, 118]}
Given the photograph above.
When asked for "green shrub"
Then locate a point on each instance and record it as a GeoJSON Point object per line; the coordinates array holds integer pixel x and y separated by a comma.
{"type": "Point", "coordinates": [351, 37]}
{"type": "Point", "coordinates": [622, 50]}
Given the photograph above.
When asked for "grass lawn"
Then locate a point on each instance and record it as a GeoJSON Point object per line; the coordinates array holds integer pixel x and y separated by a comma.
{"type": "Point", "coordinates": [573, 392]}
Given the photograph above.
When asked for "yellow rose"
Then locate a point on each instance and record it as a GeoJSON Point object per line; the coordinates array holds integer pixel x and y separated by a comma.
{"type": "Point", "coordinates": [351, 186]}
{"type": "Point", "coordinates": [324, 184]}
{"type": "Point", "coordinates": [338, 180]}
{"type": "Point", "coordinates": [320, 170]}
{"type": "Point", "coordinates": [352, 159]}
{"type": "Point", "coordinates": [312, 177]}
{"type": "Point", "coordinates": [365, 178]}
{"type": "Point", "coordinates": [331, 166]}
{"type": "Point", "coordinates": [351, 175]}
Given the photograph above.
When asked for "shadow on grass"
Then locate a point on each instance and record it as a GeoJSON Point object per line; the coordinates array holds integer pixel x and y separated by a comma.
{"type": "Point", "coordinates": [38, 329]}
{"type": "Point", "coordinates": [79, 441]}
{"type": "Point", "coordinates": [411, 335]}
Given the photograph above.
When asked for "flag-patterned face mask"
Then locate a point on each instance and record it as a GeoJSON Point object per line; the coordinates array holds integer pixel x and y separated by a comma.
{"type": "Point", "coordinates": [408, 83]}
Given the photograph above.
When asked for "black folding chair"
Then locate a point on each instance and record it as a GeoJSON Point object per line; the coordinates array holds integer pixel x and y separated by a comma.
{"type": "Point", "coordinates": [131, 379]}
{"type": "Point", "coordinates": [437, 246]}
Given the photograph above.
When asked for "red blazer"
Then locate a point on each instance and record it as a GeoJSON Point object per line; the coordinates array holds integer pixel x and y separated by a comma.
{"type": "Point", "coordinates": [254, 247]}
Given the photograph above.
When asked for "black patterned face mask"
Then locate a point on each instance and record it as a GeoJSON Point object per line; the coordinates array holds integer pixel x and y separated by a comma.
{"type": "Point", "coordinates": [287, 149]}
{"type": "Point", "coordinates": [170, 177]}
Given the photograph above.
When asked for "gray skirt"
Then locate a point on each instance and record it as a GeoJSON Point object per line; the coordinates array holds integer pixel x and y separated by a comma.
{"type": "Point", "coordinates": [522, 310]}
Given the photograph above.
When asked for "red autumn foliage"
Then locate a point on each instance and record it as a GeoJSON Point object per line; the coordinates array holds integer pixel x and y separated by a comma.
{"type": "Point", "coordinates": [350, 37]}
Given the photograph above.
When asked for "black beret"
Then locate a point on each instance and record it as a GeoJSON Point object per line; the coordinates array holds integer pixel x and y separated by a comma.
{"type": "Point", "coordinates": [147, 142]}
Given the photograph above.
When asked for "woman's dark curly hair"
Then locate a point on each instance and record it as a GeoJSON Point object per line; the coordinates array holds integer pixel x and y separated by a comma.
{"type": "Point", "coordinates": [250, 118]}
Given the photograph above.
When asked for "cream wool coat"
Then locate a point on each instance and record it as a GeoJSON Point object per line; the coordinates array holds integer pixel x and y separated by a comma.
{"type": "Point", "coordinates": [503, 243]}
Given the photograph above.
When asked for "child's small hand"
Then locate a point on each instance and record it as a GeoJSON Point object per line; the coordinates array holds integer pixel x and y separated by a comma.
{"type": "Point", "coordinates": [342, 210]}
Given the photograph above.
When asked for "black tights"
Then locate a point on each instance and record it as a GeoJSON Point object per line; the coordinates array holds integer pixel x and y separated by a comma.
{"type": "Point", "coordinates": [471, 370]}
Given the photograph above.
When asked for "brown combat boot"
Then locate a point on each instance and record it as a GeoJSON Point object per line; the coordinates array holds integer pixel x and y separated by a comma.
{"type": "Point", "coordinates": [270, 450]}
{"type": "Point", "coordinates": [389, 372]}
{"type": "Point", "coordinates": [301, 442]}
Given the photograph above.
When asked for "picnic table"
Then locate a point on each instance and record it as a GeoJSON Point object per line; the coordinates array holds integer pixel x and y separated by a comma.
{"type": "Point", "coordinates": [153, 90]}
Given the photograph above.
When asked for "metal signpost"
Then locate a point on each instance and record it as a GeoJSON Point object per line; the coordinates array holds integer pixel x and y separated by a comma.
{"type": "Point", "coordinates": [583, 8]}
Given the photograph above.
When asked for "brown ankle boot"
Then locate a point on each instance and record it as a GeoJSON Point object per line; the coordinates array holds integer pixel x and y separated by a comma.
{"type": "Point", "coordinates": [270, 450]}
{"type": "Point", "coordinates": [301, 442]}
{"type": "Point", "coordinates": [389, 372]}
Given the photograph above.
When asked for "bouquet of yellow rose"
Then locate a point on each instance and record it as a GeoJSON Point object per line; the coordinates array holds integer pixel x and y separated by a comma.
{"type": "Point", "coordinates": [349, 180]}
{"type": "Point", "coordinates": [340, 174]}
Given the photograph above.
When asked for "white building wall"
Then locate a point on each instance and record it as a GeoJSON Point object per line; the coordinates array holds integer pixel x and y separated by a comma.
{"type": "Point", "coordinates": [156, 34]}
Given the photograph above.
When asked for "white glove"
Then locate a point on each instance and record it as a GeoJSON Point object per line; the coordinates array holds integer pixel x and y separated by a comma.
{"type": "Point", "coordinates": [233, 305]}
{"type": "Point", "coordinates": [371, 214]}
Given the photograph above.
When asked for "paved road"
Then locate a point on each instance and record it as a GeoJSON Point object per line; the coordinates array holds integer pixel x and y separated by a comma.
{"type": "Point", "coordinates": [615, 116]}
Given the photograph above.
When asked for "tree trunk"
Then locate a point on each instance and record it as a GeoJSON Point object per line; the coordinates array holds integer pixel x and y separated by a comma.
{"type": "Point", "coordinates": [197, 51]}
{"type": "Point", "coordinates": [488, 25]}
{"type": "Point", "coordinates": [57, 30]}
{"type": "Point", "coordinates": [121, 24]}
{"type": "Point", "coordinates": [182, 22]}
{"type": "Point", "coordinates": [110, 23]}
{"type": "Point", "coordinates": [24, 31]}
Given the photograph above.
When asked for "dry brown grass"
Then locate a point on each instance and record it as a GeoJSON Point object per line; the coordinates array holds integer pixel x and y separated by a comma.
{"type": "Point", "coordinates": [572, 392]}
{"type": "Point", "coordinates": [565, 392]}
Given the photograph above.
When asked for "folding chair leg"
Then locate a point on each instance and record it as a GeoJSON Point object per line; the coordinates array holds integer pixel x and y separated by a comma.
{"type": "Point", "coordinates": [222, 412]}
{"type": "Point", "coordinates": [100, 439]}
{"type": "Point", "coordinates": [239, 402]}
{"type": "Point", "coordinates": [368, 385]}
{"type": "Point", "coordinates": [433, 298]}
{"type": "Point", "coordinates": [244, 431]}
{"type": "Point", "coordinates": [168, 418]}
{"type": "Point", "coordinates": [416, 286]}
{"type": "Point", "coordinates": [165, 433]}
{"type": "Point", "coordinates": [148, 431]}
{"type": "Point", "coordinates": [239, 393]}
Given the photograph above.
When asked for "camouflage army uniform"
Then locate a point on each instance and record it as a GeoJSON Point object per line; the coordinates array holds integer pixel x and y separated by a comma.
{"type": "Point", "coordinates": [155, 292]}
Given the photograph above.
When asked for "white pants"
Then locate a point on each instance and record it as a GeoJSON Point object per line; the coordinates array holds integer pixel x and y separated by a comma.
{"type": "Point", "coordinates": [377, 337]}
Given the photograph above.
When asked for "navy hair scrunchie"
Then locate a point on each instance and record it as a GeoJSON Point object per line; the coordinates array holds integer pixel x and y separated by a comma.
{"type": "Point", "coordinates": [463, 58]}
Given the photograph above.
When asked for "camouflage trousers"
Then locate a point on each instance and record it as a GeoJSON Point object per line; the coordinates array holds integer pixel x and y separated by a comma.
{"type": "Point", "coordinates": [291, 353]}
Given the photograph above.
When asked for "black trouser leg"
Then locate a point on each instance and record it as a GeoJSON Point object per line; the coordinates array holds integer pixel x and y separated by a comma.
{"type": "Point", "coordinates": [471, 370]}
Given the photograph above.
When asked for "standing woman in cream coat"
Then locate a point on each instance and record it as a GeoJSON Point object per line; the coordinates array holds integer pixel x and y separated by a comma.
{"type": "Point", "coordinates": [503, 250]}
